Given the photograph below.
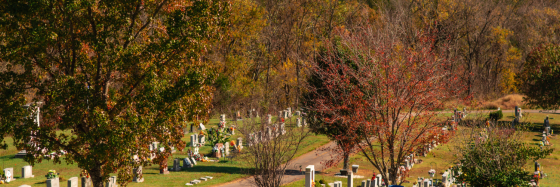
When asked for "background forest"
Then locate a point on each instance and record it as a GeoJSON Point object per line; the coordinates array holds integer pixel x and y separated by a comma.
{"type": "Point", "coordinates": [265, 54]}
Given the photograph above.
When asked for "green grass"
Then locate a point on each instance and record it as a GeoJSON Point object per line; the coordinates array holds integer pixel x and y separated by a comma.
{"type": "Point", "coordinates": [223, 171]}
{"type": "Point", "coordinates": [444, 156]}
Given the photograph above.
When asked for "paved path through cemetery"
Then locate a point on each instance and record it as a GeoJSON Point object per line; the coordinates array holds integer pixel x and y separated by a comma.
{"type": "Point", "coordinates": [320, 154]}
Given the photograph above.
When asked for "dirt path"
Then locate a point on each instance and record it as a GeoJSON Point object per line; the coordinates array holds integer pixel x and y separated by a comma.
{"type": "Point", "coordinates": [292, 172]}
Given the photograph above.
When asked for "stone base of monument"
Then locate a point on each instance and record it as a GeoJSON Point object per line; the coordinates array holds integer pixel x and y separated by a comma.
{"type": "Point", "coordinates": [21, 154]}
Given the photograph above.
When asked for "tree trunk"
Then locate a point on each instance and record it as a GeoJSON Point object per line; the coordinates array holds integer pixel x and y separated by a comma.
{"type": "Point", "coordinates": [346, 161]}
{"type": "Point", "coordinates": [96, 178]}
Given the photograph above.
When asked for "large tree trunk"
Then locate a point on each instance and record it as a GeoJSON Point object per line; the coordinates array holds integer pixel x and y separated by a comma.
{"type": "Point", "coordinates": [96, 177]}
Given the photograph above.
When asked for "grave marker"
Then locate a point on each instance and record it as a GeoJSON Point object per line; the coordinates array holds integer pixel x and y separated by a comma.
{"type": "Point", "coordinates": [309, 175]}
{"type": "Point", "coordinates": [27, 172]}
{"type": "Point", "coordinates": [9, 173]}
{"type": "Point", "coordinates": [186, 163]}
{"type": "Point", "coordinates": [138, 176]}
{"type": "Point", "coordinates": [73, 182]}
{"type": "Point", "coordinates": [86, 182]}
{"type": "Point", "coordinates": [53, 182]}
{"type": "Point", "coordinates": [176, 165]}
{"type": "Point", "coordinates": [350, 181]}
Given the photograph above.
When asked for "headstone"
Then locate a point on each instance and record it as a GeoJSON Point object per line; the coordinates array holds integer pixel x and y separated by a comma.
{"type": "Point", "coordinates": [269, 119]}
{"type": "Point", "coordinates": [176, 165]}
{"type": "Point", "coordinates": [202, 140]}
{"type": "Point", "coordinates": [364, 183]}
{"type": "Point", "coordinates": [350, 181]}
{"type": "Point", "coordinates": [9, 173]}
{"type": "Point", "coordinates": [193, 161]}
{"type": "Point", "coordinates": [298, 122]}
{"type": "Point", "coordinates": [223, 117]}
{"type": "Point", "coordinates": [289, 112]}
{"type": "Point", "coordinates": [25, 185]}
{"type": "Point", "coordinates": [112, 182]}
{"type": "Point", "coordinates": [285, 114]}
{"type": "Point", "coordinates": [186, 163]}
{"type": "Point", "coordinates": [282, 129]}
{"type": "Point", "coordinates": [201, 127]}
{"type": "Point", "coordinates": [240, 142]}
{"type": "Point", "coordinates": [227, 148]}
{"type": "Point", "coordinates": [138, 176]}
{"type": "Point", "coordinates": [53, 182]}
{"type": "Point", "coordinates": [516, 111]}
{"type": "Point", "coordinates": [193, 141]}
{"type": "Point", "coordinates": [378, 179]}
{"type": "Point", "coordinates": [355, 168]}
{"type": "Point", "coordinates": [86, 182]}
{"type": "Point", "coordinates": [426, 182]}
{"type": "Point", "coordinates": [260, 137]}
{"type": "Point", "coordinates": [298, 113]}
{"type": "Point", "coordinates": [280, 115]}
{"type": "Point", "coordinates": [164, 170]}
{"type": "Point", "coordinates": [309, 175]}
{"type": "Point", "coordinates": [368, 183]}
{"type": "Point", "coordinates": [73, 182]}
{"type": "Point", "coordinates": [268, 133]}
{"type": "Point", "coordinates": [27, 172]}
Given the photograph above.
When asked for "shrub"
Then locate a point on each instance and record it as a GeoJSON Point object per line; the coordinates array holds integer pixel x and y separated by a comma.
{"type": "Point", "coordinates": [495, 116]}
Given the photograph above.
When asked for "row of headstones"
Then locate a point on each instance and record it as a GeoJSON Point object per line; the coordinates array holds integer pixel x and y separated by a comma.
{"type": "Point", "coordinates": [429, 147]}
{"type": "Point", "coordinates": [458, 115]}
{"type": "Point", "coordinates": [269, 134]}
{"type": "Point", "coordinates": [377, 182]}
{"type": "Point", "coordinates": [73, 182]}
{"type": "Point", "coordinates": [26, 172]}
{"type": "Point", "coordinates": [196, 181]}
{"type": "Point", "coordinates": [310, 178]}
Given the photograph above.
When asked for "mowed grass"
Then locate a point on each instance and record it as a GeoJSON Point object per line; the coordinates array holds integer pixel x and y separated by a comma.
{"type": "Point", "coordinates": [224, 171]}
{"type": "Point", "coordinates": [445, 156]}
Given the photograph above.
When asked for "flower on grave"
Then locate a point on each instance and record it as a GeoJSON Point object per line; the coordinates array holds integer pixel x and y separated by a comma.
{"type": "Point", "coordinates": [201, 133]}
{"type": "Point", "coordinates": [232, 143]}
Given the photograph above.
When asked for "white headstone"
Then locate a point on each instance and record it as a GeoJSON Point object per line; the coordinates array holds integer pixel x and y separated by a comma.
{"type": "Point", "coordinates": [73, 182]}
{"type": "Point", "coordinates": [9, 173]}
{"type": "Point", "coordinates": [53, 182]}
{"type": "Point", "coordinates": [27, 172]}
{"type": "Point", "coordinates": [309, 175]}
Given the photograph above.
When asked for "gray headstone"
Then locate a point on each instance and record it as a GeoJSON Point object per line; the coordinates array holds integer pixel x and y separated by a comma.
{"type": "Point", "coordinates": [186, 163]}
{"type": "Point", "coordinates": [176, 165]}
{"type": "Point", "coordinates": [193, 161]}
{"type": "Point", "coordinates": [227, 148]}
{"type": "Point", "coordinates": [73, 182]}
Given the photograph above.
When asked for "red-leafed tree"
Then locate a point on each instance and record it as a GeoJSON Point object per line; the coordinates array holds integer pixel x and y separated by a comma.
{"type": "Point", "coordinates": [383, 88]}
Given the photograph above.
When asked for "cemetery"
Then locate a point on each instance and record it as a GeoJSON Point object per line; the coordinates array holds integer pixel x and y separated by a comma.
{"type": "Point", "coordinates": [204, 164]}
{"type": "Point", "coordinates": [199, 164]}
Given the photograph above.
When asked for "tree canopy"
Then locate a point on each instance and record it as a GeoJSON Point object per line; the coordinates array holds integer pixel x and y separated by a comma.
{"type": "Point", "coordinates": [540, 75]}
{"type": "Point", "coordinates": [110, 78]}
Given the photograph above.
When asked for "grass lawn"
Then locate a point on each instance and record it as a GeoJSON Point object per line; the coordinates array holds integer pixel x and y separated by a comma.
{"type": "Point", "coordinates": [444, 156]}
{"type": "Point", "coordinates": [223, 171]}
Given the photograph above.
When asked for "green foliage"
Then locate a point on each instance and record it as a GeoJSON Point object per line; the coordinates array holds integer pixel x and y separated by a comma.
{"type": "Point", "coordinates": [496, 115]}
{"type": "Point", "coordinates": [112, 77]}
{"type": "Point", "coordinates": [216, 137]}
{"type": "Point", "coordinates": [498, 161]}
{"type": "Point", "coordinates": [540, 75]}
{"type": "Point", "coordinates": [51, 174]}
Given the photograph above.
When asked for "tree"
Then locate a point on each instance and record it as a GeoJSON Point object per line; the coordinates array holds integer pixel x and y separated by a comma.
{"type": "Point", "coordinates": [319, 120]}
{"type": "Point", "coordinates": [539, 77]}
{"type": "Point", "coordinates": [385, 92]}
{"type": "Point", "coordinates": [270, 154]}
{"type": "Point", "coordinates": [112, 76]}
{"type": "Point", "coordinates": [497, 158]}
